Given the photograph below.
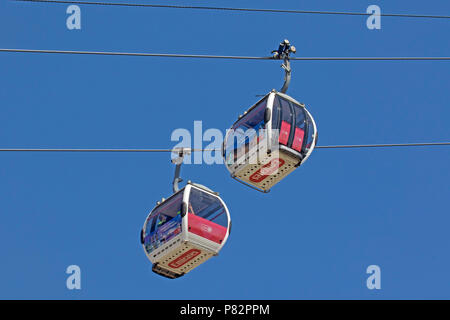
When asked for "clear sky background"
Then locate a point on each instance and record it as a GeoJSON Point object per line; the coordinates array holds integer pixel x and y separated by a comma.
{"type": "Point", "coordinates": [312, 236]}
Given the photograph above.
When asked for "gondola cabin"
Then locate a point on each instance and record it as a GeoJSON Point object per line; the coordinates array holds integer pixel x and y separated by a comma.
{"type": "Point", "coordinates": [184, 231]}
{"type": "Point", "coordinates": [269, 141]}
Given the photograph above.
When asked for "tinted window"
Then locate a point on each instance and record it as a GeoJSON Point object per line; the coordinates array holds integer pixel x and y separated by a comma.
{"type": "Point", "coordinates": [276, 113]}
{"type": "Point", "coordinates": [286, 113]}
{"type": "Point", "coordinates": [285, 123]}
{"type": "Point", "coordinates": [164, 223]}
{"type": "Point", "coordinates": [310, 133]}
{"type": "Point", "coordinates": [244, 133]}
{"type": "Point", "coordinates": [300, 119]}
{"type": "Point", "coordinates": [207, 207]}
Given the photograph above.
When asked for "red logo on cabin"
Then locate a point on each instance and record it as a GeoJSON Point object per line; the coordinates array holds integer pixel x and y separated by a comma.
{"type": "Point", "coordinates": [185, 257]}
{"type": "Point", "coordinates": [267, 170]}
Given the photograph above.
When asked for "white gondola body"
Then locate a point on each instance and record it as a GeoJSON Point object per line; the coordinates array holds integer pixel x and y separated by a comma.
{"type": "Point", "coordinates": [268, 161]}
{"type": "Point", "coordinates": [188, 239]}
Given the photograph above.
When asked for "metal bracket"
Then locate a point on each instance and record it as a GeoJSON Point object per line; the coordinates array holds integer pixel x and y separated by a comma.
{"type": "Point", "coordinates": [283, 52]}
{"type": "Point", "coordinates": [178, 162]}
{"type": "Point", "coordinates": [287, 74]}
{"type": "Point", "coordinates": [165, 272]}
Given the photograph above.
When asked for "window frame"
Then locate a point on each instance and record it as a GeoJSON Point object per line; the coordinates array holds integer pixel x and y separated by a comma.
{"type": "Point", "coordinates": [189, 188]}
{"type": "Point", "coordinates": [153, 220]}
{"type": "Point", "coordinates": [226, 150]}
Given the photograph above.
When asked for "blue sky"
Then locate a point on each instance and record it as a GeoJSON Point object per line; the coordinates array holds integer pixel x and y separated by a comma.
{"type": "Point", "coordinates": [312, 236]}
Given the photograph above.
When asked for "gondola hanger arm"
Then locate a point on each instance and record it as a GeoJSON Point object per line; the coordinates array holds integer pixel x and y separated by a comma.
{"type": "Point", "coordinates": [178, 161]}
{"type": "Point", "coordinates": [283, 52]}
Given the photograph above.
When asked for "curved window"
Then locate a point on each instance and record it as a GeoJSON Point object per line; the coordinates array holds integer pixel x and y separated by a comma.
{"type": "Point", "coordinates": [311, 133]}
{"type": "Point", "coordinates": [164, 223]}
{"type": "Point", "coordinates": [245, 133]}
{"type": "Point", "coordinates": [286, 122]}
{"type": "Point", "coordinates": [208, 207]}
{"type": "Point", "coordinates": [207, 216]}
{"type": "Point", "coordinates": [300, 130]}
{"type": "Point", "coordinates": [292, 126]}
{"type": "Point", "coordinates": [276, 113]}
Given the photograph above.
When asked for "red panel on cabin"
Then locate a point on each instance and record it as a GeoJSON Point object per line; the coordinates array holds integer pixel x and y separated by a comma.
{"type": "Point", "coordinates": [266, 170]}
{"type": "Point", "coordinates": [284, 132]}
{"type": "Point", "coordinates": [205, 228]}
{"type": "Point", "coordinates": [298, 139]}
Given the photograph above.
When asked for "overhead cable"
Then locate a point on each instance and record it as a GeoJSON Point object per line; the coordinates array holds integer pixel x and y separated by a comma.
{"type": "Point", "coordinates": [232, 9]}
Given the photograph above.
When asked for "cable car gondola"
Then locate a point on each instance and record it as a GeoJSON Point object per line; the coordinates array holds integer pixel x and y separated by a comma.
{"type": "Point", "coordinates": [185, 230]}
{"type": "Point", "coordinates": [272, 138]}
